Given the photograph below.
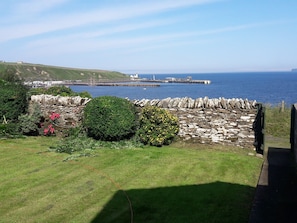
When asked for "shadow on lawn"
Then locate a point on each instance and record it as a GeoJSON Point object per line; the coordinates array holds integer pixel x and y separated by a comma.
{"type": "Point", "coordinates": [214, 202]}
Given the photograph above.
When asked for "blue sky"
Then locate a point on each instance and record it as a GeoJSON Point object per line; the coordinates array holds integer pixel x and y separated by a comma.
{"type": "Point", "coordinates": [152, 36]}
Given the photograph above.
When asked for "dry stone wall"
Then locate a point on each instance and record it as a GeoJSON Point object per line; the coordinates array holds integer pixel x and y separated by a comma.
{"type": "Point", "coordinates": [201, 120]}
{"type": "Point", "coordinates": [233, 127]}
{"type": "Point", "coordinates": [212, 121]}
{"type": "Point", "coordinates": [69, 108]}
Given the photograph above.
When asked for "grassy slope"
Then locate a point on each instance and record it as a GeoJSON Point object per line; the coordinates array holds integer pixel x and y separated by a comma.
{"type": "Point", "coordinates": [44, 72]}
{"type": "Point", "coordinates": [166, 184]}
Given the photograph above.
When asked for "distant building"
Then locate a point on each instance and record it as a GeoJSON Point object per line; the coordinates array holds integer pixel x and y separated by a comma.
{"type": "Point", "coordinates": [170, 78]}
{"type": "Point", "coordinates": [134, 77]}
{"type": "Point", "coordinates": [20, 62]}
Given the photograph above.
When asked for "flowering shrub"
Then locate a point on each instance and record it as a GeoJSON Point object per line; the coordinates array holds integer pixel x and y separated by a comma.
{"type": "Point", "coordinates": [50, 130]}
{"type": "Point", "coordinates": [157, 126]}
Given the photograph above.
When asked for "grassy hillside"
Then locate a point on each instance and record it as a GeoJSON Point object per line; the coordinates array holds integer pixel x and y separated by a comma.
{"type": "Point", "coordinates": [30, 72]}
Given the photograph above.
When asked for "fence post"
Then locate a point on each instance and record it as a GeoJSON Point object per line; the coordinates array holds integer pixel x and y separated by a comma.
{"type": "Point", "coordinates": [259, 129]}
{"type": "Point", "coordinates": [293, 130]}
{"type": "Point", "coordinates": [283, 106]}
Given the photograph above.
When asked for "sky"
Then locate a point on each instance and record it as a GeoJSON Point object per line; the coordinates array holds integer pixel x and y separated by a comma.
{"type": "Point", "coordinates": [152, 36]}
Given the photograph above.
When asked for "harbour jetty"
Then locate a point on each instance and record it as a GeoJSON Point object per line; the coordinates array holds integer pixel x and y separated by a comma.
{"type": "Point", "coordinates": [187, 80]}
{"type": "Point", "coordinates": [114, 84]}
{"type": "Point", "coordinates": [35, 84]}
{"type": "Point", "coordinates": [133, 82]}
{"type": "Point", "coordinates": [179, 81]}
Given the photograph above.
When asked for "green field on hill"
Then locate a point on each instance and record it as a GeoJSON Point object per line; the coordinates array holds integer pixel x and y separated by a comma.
{"type": "Point", "coordinates": [32, 72]}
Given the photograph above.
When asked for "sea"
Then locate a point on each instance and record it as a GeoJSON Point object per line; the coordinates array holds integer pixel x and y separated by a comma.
{"type": "Point", "coordinates": [270, 88]}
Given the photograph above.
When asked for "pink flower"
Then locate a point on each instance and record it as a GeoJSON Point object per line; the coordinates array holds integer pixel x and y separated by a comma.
{"type": "Point", "coordinates": [45, 131]}
{"type": "Point", "coordinates": [52, 130]}
{"type": "Point", "coordinates": [54, 116]}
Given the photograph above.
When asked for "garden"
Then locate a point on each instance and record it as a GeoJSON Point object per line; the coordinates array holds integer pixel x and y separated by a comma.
{"type": "Point", "coordinates": [123, 183]}
{"type": "Point", "coordinates": [121, 164]}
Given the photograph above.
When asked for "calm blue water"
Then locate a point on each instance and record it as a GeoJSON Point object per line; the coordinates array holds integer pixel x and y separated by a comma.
{"type": "Point", "coordinates": [265, 87]}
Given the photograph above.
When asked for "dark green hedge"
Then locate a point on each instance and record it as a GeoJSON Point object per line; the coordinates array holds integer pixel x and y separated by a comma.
{"type": "Point", "coordinates": [110, 118]}
{"type": "Point", "coordinates": [13, 100]}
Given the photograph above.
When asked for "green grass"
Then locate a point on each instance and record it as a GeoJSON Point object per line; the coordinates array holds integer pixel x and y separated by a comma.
{"type": "Point", "coordinates": [170, 184]}
{"type": "Point", "coordinates": [278, 123]}
{"type": "Point", "coordinates": [277, 127]}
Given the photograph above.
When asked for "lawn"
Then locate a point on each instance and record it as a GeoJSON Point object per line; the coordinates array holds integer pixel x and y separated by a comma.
{"type": "Point", "coordinates": [175, 184]}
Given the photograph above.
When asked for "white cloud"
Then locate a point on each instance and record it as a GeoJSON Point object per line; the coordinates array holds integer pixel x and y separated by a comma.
{"type": "Point", "coordinates": [46, 24]}
{"type": "Point", "coordinates": [85, 42]}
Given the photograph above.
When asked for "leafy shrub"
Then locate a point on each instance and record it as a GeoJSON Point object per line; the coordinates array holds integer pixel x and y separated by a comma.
{"type": "Point", "coordinates": [110, 118]}
{"type": "Point", "coordinates": [77, 141]}
{"type": "Point", "coordinates": [59, 90]}
{"type": "Point", "coordinates": [9, 130]}
{"type": "Point", "coordinates": [13, 100]}
{"type": "Point", "coordinates": [75, 144]}
{"type": "Point", "coordinates": [84, 94]}
{"type": "Point", "coordinates": [55, 90]}
{"type": "Point", "coordinates": [30, 124]}
{"type": "Point", "coordinates": [157, 126]}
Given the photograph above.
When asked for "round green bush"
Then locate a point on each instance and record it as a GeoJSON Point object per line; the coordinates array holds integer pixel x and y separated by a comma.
{"type": "Point", "coordinates": [110, 118]}
{"type": "Point", "coordinates": [157, 126]}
